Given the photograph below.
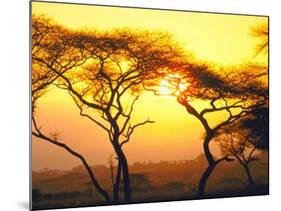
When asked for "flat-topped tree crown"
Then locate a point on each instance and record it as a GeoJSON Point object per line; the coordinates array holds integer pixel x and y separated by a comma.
{"type": "Point", "coordinates": [53, 53]}
{"type": "Point", "coordinates": [104, 73]}
{"type": "Point", "coordinates": [245, 82]}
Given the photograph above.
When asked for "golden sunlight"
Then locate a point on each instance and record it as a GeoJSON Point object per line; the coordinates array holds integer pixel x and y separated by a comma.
{"type": "Point", "coordinates": [172, 85]}
{"type": "Point", "coordinates": [139, 105]}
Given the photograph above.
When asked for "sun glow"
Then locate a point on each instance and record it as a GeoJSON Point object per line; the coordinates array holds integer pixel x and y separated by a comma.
{"type": "Point", "coordinates": [165, 87]}
{"type": "Point", "coordinates": [175, 135]}
{"type": "Point", "coordinates": [172, 85]}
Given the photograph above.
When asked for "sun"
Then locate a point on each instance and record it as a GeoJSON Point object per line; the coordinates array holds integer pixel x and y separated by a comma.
{"type": "Point", "coordinates": [172, 85]}
{"type": "Point", "coordinates": [165, 88]}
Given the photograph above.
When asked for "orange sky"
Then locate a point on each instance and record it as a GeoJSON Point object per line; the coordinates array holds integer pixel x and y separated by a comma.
{"type": "Point", "coordinates": [223, 39]}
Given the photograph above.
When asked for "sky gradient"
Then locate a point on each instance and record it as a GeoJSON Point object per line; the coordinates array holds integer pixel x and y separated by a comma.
{"type": "Point", "coordinates": [176, 135]}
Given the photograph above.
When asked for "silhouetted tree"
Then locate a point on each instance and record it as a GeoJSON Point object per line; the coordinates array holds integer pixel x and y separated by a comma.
{"type": "Point", "coordinates": [113, 81]}
{"type": "Point", "coordinates": [261, 32]}
{"type": "Point", "coordinates": [258, 126]}
{"type": "Point", "coordinates": [250, 133]}
{"type": "Point", "coordinates": [107, 84]}
{"type": "Point", "coordinates": [46, 34]}
{"type": "Point", "coordinates": [237, 143]}
{"type": "Point", "coordinates": [236, 92]}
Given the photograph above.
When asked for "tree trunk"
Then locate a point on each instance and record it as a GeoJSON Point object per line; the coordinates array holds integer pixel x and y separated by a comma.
{"type": "Point", "coordinates": [126, 178]}
{"type": "Point", "coordinates": [125, 172]}
{"type": "Point", "coordinates": [117, 183]}
{"type": "Point", "coordinates": [211, 166]}
{"type": "Point", "coordinates": [210, 159]}
{"type": "Point", "coordinates": [249, 175]}
{"type": "Point", "coordinates": [204, 178]}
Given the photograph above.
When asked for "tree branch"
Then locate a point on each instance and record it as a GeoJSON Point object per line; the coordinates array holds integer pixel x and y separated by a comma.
{"type": "Point", "coordinates": [131, 130]}
{"type": "Point", "coordinates": [42, 136]}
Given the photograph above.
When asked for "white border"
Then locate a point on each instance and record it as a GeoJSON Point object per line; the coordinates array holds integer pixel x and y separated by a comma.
{"type": "Point", "coordinates": [14, 86]}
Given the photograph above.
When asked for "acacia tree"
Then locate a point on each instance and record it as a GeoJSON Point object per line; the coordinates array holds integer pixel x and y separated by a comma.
{"type": "Point", "coordinates": [45, 34]}
{"type": "Point", "coordinates": [236, 142]}
{"type": "Point", "coordinates": [239, 92]}
{"type": "Point", "coordinates": [242, 139]}
{"type": "Point", "coordinates": [236, 93]}
{"type": "Point", "coordinates": [108, 85]}
{"type": "Point", "coordinates": [258, 126]}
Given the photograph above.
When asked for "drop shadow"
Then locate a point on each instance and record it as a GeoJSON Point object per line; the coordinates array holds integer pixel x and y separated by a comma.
{"type": "Point", "coordinates": [24, 205]}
